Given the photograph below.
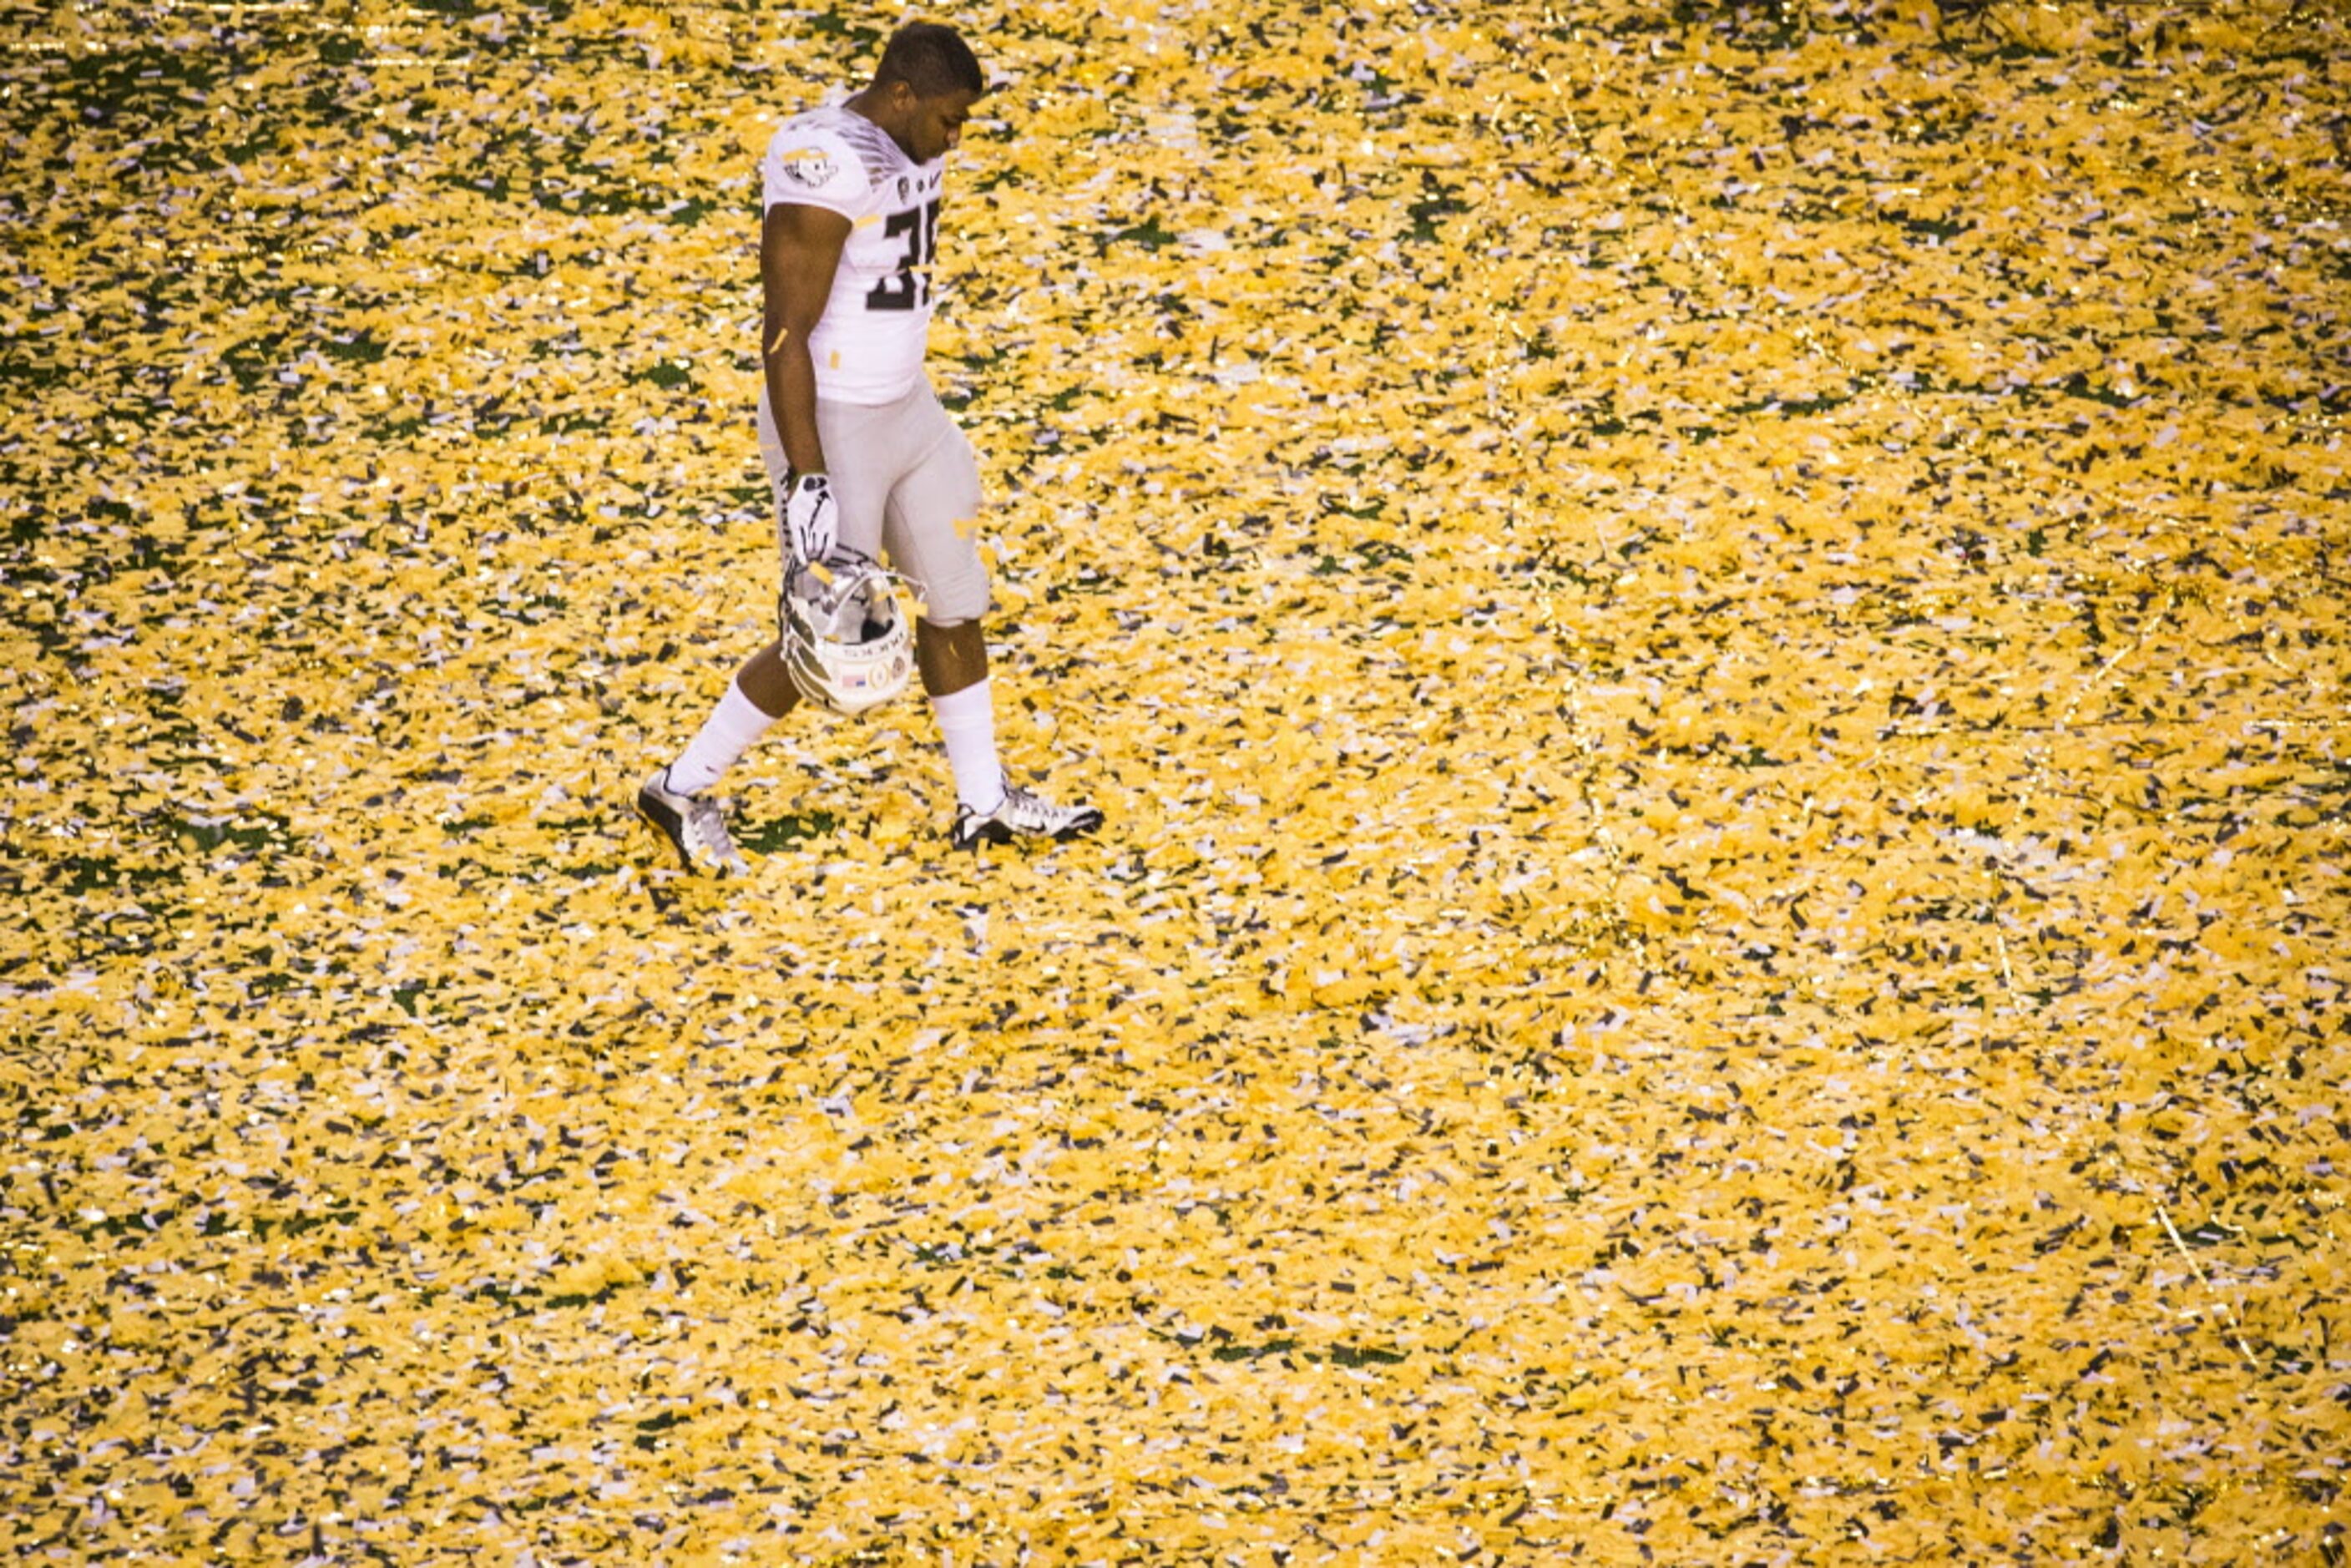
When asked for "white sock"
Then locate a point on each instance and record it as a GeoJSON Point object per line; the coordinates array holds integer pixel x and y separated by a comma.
{"type": "Point", "coordinates": [967, 720]}
{"type": "Point", "coordinates": [725, 735]}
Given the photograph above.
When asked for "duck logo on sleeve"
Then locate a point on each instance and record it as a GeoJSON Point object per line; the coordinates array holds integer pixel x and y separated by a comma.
{"type": "Point", "coordinates": [810, 166]}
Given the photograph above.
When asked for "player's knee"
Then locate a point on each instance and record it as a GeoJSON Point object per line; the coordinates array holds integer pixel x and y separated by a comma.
{"type": "Point", "coordinates": [963, 602]}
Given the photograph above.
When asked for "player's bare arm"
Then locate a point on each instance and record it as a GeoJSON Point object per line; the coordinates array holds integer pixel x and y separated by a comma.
{"type": "Point", "coordinates": [799, 250]}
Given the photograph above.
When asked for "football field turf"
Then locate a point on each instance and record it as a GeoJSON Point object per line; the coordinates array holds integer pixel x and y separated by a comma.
{"type": "Point", "coordinates": [1712, 636]}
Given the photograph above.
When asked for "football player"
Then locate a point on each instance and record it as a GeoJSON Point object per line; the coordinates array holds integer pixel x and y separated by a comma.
{"type": "Point", "coordinates": [862, 458]}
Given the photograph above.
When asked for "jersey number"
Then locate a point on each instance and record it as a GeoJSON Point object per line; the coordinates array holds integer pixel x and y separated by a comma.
{"type": "Point", "coordinates": [911, 287]}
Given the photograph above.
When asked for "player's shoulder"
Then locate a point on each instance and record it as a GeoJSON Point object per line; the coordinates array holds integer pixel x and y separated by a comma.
{"type": "Point", "coordinates": [829, 151]}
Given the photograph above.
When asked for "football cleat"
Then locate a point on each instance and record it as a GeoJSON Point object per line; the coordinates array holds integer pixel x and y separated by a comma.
{"type": "Point", "coordinates": [694, 826]}
{"type": "Point", "coordinates": [1022, 816]}
{"type": "Point", "coordinates": [847, 644]}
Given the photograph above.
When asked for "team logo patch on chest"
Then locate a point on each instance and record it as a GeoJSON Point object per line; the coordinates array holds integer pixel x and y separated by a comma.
{"type": "Point", "coordinates": [810, 166]}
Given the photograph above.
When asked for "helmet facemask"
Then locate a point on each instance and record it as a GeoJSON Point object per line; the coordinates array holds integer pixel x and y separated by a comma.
{"type": "Point", "coordinates": [847, 644]}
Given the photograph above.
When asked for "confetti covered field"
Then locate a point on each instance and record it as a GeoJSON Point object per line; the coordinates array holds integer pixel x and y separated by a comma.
{"type": "Point", "coordinates": [1712, 636]}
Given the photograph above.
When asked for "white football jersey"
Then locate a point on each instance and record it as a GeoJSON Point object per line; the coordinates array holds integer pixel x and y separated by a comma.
{"type": "Point", "coordinates": [868, 345]}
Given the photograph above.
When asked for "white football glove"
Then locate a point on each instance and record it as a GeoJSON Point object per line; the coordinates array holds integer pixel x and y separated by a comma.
{"type": "Point", "coordinates": [810, 517]}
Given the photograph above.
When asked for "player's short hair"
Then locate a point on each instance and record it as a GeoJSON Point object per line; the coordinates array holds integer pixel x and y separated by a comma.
{"type": "Point", "coordinates": [931, 59]}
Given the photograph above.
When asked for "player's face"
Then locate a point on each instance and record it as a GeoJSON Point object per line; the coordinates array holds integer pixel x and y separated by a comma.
{"type": "Point", "coordinates": [935, 126]}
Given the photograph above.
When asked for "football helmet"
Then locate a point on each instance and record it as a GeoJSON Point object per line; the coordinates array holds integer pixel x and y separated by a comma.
{"type": "Point", "coordinates": [847, 644]}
